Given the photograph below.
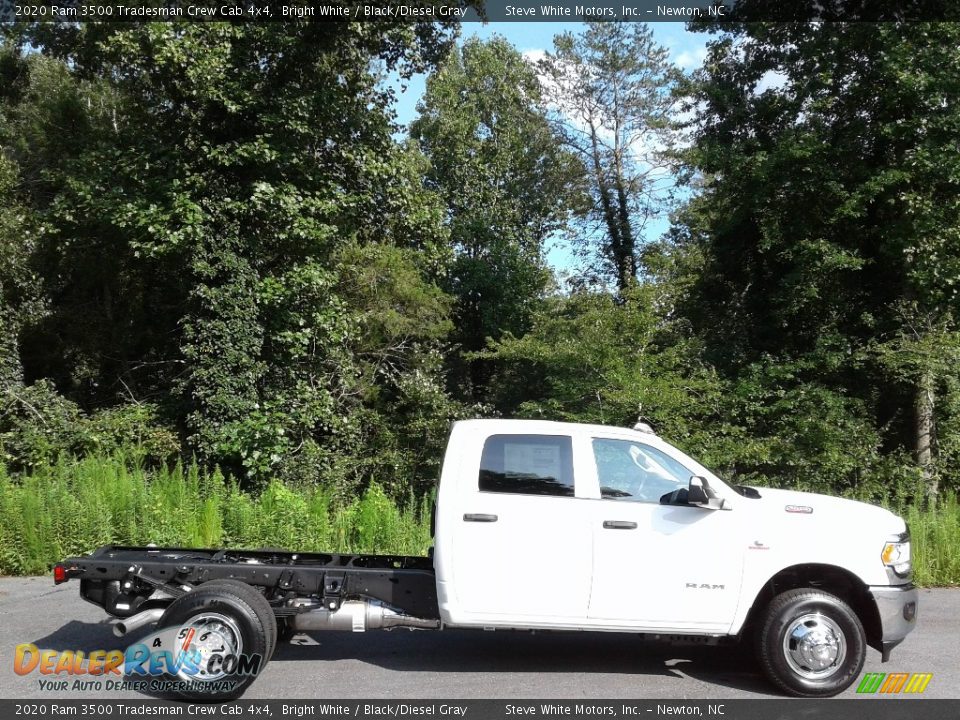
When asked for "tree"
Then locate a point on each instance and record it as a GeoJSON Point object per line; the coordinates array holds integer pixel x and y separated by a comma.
{"type": "Point", "coordinates": [611, 88]}
{"type": "Point", "coordinates": [829, 222]}
{"type": "Point", "coordinates": [599, 358]}
{"type": "Point", "coordinates": [203, 233]}
{"type": "Point", "coordinates": [19, 296]}
{"type": "Point", "coordinates": [506, 182]}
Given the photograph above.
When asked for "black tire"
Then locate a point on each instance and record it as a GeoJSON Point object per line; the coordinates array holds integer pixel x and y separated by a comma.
{"type": "Point", "coordinates": [258, 602]}
{"type": "Point", "coordinates": [220, 605]}
{"type": "Point", "coordinates": [810, 643]}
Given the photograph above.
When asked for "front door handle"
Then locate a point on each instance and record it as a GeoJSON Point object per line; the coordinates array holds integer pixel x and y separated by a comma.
{"type": "Point", "coordinates": [479, 517]}
{"type": "Point", "coordinates": [619, 525]}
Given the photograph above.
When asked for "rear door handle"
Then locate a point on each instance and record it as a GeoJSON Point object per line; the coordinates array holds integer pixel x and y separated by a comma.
{"type": "Point", "coordinates": [479, 517]}
{"type": "Point", "coordinates": [619, 525]}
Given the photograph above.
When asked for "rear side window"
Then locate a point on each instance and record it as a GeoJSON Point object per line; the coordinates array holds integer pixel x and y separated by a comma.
{"type": "Point", "coordinates": [527, 465]}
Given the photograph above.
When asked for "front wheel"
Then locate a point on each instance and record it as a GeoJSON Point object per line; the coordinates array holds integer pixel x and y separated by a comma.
{"type": "Point", "coordinates": [811, 643]}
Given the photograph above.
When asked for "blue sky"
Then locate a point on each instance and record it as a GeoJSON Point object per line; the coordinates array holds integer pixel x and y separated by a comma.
{"type": "Point", "coordinates": [687, 50]}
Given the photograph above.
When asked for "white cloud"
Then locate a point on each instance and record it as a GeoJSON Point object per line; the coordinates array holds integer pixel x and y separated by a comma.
{"type": "Point", "coordinates": [690, 59]}
{"type": "Point", "coordinates": [533, 55]}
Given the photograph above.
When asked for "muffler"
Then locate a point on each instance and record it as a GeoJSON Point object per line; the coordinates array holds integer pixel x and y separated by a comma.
{"type": "Point", "coordinates": [135, 622]}
{"type": "Point", "coordinates": [358, 616]}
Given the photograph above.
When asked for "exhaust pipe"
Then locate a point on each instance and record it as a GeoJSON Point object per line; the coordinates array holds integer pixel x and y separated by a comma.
{"type": "Point", "coordinates": [358, 616]}
{"type": "Point", "coordinates": [135, 622]}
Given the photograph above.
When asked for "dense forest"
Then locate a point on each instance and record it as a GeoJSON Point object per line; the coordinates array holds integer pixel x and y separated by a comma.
{"type": "Point", "coordinates": [218, 248]}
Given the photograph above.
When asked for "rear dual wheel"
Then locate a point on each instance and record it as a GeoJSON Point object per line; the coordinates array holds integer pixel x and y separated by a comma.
{"type": "Point", "coordinates": [230, 631]}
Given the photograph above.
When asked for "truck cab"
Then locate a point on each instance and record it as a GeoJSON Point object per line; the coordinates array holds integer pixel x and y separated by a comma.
{"type": "Point", "coordinates": [587, 527]}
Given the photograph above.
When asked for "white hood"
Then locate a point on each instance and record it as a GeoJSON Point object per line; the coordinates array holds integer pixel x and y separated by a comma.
{"type": "Point", "coordinates": [845, 515]}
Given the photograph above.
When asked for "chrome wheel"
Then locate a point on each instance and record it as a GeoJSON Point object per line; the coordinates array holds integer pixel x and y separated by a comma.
{"type": "Point", "coordinates": [814, 646]}
{"type": "Point", "coordinates": [210, 638]}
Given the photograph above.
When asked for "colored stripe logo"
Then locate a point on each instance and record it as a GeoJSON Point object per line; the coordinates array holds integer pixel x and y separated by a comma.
{"type": "Point", "coordinates": [918, 682]}
{"type": "Point", "coordinates": [893, 683]}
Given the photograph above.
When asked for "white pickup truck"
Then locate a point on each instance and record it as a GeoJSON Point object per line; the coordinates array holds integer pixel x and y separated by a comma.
{"type": "Point", "coordinates": [551, 526]}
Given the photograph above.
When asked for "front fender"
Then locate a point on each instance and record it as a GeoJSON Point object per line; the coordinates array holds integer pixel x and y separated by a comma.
{"type": "Point", "coordinates": [819, 571]}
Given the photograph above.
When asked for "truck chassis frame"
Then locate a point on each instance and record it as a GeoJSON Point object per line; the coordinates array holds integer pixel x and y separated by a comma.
{"type": "Point", "coordinates": [128, 580]}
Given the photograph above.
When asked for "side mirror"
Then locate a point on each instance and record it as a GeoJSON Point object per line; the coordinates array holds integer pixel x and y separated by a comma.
{"type": "Point", "coordinates": [700, 493]}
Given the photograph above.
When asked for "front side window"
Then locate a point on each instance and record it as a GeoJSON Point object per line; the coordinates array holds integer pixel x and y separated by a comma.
{"type": "Point", "coordinates": [527, 465]}
{"type": "Point", "coordinates": [636, 472]}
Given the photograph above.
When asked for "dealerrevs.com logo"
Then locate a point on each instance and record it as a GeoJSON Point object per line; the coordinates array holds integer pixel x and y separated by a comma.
{"type": "Point", "coordinates": [202, 657]}
{"type": "Point", "coordinates": [894, 683]}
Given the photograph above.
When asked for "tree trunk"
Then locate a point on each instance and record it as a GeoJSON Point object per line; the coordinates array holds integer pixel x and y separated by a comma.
{"type": "Point", "coordinates": [628, 259]}
{"type": "Point", "coordinates": [609, 212]}
{"type": "Point", "coordinates": [924, 430]}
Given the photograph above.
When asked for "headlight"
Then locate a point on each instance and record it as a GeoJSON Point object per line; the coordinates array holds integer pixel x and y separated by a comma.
{"type": "Point", "coordinates": [896, 555]}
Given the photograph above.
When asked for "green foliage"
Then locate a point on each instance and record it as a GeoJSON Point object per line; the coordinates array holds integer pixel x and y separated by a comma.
{"type": "Point", "coordinates": [71, 507]}
{"type": "Point", "coordinates": [506, 183]}
{"type": "Point", "coordinates": [38, 425]}
{"type": "Point", "coordinates": [19, 294]}
{"type": "Point", "coordinates": [802, 435]}
{"type": "Point", "coordinates": [591, 357]}
{"type": "Point", "coordinates": [824, 238]}
{"type": "Point", "coordinates": [257, 259]}
{"type": "Point", "coordinates": [934, 538]}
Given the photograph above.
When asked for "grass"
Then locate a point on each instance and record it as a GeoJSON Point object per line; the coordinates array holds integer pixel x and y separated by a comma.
{"type": "Point", "coordinates": [935, 542]}
{"type": "Point", "coordinates": [77, 505]}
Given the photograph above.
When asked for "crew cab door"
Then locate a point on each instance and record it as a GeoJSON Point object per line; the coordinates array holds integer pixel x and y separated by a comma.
{"type": "Point", "coordinates": [521, 536]}
{"type": "Point", "coordinates": [660, 565]}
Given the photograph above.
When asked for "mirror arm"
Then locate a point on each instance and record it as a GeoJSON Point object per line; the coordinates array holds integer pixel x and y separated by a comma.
{"type": "Point", "coordinates": [700, 494]}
